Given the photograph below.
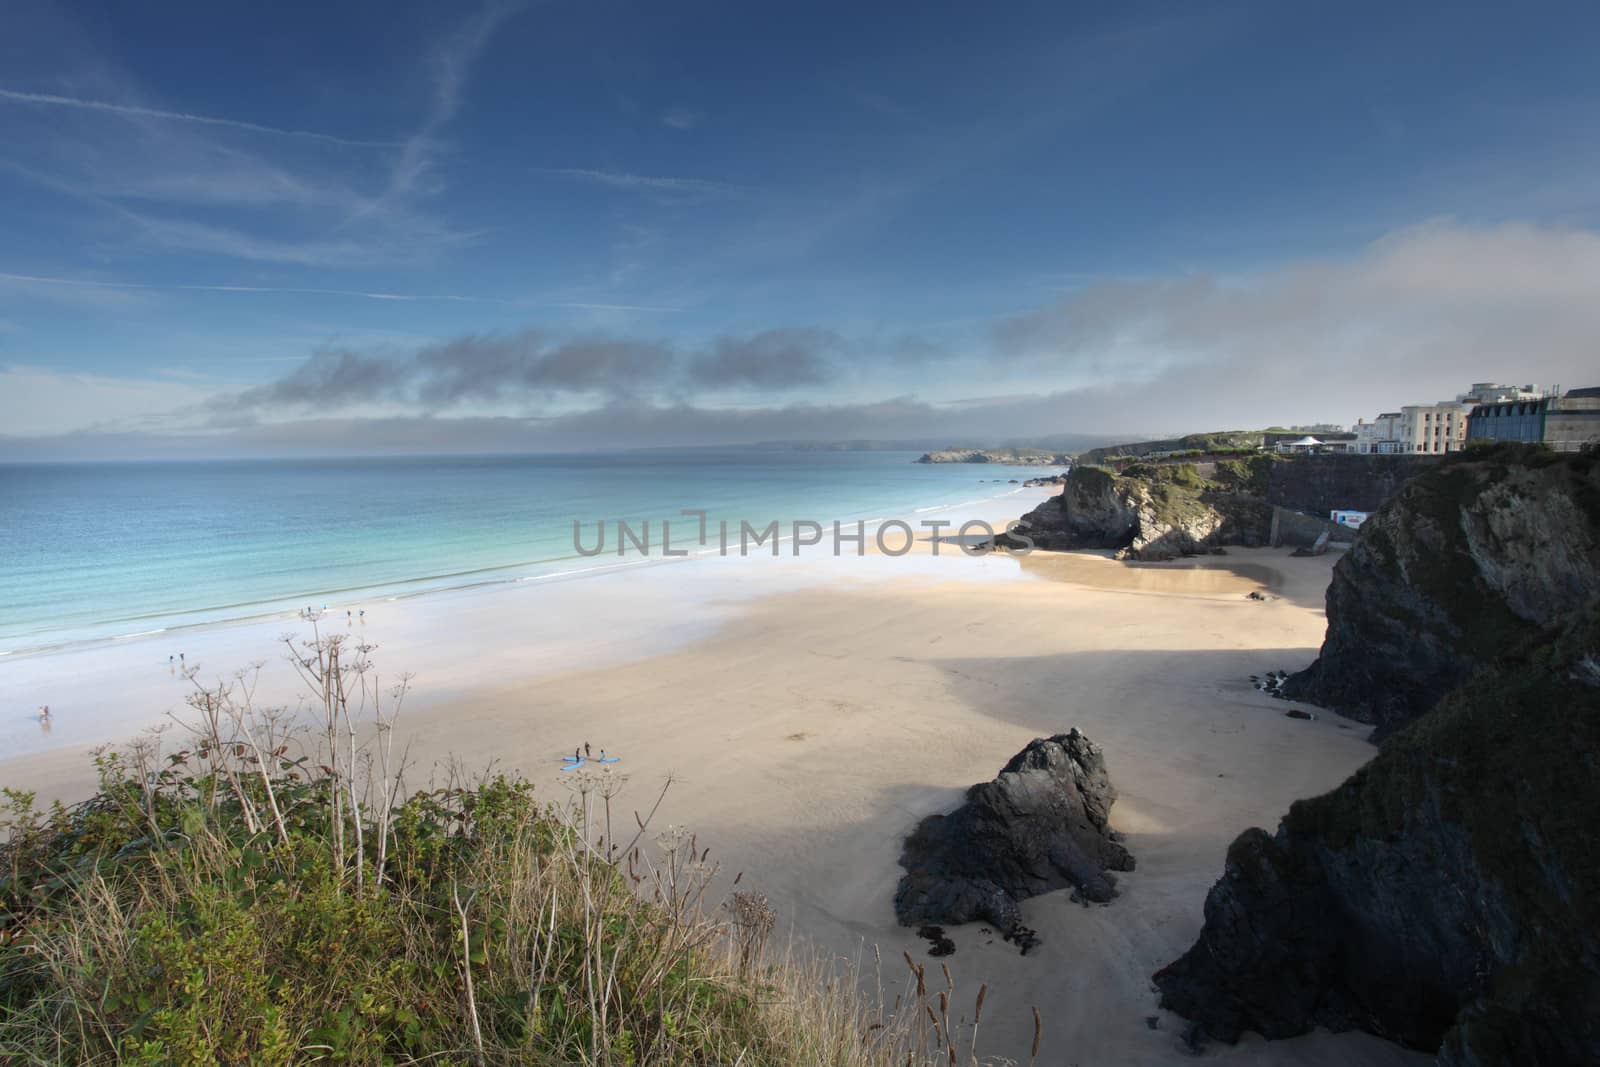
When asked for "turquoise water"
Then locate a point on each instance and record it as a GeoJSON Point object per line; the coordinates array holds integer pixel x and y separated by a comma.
{"type": "Point", "coordinates": [99, 551]}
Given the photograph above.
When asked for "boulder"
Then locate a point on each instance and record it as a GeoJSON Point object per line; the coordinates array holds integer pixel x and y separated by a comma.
{"type": "Point", "coordinates": [1040, 825]}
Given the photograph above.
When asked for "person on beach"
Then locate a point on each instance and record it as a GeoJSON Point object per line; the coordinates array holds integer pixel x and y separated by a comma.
{"type": "Point", "coordinates": [44, 713]}
{"type": "Point", "coordinates": [586, 748]}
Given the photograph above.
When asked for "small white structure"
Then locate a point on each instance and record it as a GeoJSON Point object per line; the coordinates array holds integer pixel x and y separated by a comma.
{"type": "Point", "coordinates": [1352, 519]}
{"type": "Point", "coordinates": [1302, 445]}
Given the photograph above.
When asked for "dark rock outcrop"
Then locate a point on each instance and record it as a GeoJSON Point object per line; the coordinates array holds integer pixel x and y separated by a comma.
{"type": "Point", "coordinates": [1466, 561]}
{"type": "Point", "coordinates": [1447, 896]}
{"type": "Point", "coordinates": [1041, 825]}
{"type": "Point", "coordinates": [1146, 513]}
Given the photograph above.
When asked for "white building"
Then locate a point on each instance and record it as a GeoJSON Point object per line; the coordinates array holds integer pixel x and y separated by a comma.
{"type": "Point", "coordinates": [1435, 428]}
{"type": "Point", "coordinates": [1380, 436]}
{"type": "Point", "coordinates": [1491, 393]}
{"type": "Point", "coordinates": [1440, 427]}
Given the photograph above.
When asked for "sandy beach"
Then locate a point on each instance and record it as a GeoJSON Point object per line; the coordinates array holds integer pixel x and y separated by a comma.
{"type": "Point", "coordinates": [811, 711]}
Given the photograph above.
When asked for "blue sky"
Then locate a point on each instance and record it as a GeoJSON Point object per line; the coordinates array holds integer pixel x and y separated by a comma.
{"type": "Point", "coordinates": [226, 227]}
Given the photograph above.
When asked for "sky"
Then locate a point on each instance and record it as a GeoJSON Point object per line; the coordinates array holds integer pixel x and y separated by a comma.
{"type": "Point", "coordinates": [262, 229]}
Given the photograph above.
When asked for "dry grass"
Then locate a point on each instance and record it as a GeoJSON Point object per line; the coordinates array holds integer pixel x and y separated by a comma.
{"type": "Point", "coordinates": [262, 896]}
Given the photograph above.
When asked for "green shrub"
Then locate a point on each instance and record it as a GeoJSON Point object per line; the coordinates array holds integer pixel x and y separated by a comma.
{"type": "Point", "coordinates": [231, 904]}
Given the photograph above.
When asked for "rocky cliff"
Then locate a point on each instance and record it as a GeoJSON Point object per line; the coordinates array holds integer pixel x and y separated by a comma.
{"type": "Point", "coordinates": [1462, 563]}
{"type": "Point", "coordinates": [1149, 512]}
{"type": "Point", "coordinates": [1319, 484]}
{"type": "Point", "coordinates": [1040, 825]}
{"type": "Point", "coordinates": [1446, 896]}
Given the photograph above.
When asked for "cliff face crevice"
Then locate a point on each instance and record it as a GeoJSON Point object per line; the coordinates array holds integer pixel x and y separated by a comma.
{"type": "Point", "coordinates": [1460, 566]}
{"type": "Point", "coordinates": [1447, 895]}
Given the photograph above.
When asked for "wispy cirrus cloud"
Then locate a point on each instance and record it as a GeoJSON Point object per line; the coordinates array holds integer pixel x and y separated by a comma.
{"type": "Point", "coordinates": [89, 283]}
{"type": "Point", "coordinates": [139, 111]}
{"type": "Point", "coordinates": [682, 118]}
{"type": "Point", "coordinates": [161, 174]}
{"type": "Point", "coordinates": [644, 183]}
{"type": "Point", "coordinates": [451, 63]}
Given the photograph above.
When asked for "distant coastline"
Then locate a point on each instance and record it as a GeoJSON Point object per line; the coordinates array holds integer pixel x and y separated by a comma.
{"type": "Point", "coordinates": [1014, 457]}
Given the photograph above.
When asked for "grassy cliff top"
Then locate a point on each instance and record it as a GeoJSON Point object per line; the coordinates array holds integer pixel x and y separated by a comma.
{"type": "Point", "coordinates": [1217, 441]}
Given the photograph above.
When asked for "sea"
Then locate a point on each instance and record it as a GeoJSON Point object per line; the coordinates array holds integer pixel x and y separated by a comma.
{"type": "Point", "coordinates": [111, 551]}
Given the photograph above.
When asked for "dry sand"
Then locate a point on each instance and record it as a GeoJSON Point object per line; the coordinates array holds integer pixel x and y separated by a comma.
{"type": "Point", "coordinates": [823, 718]}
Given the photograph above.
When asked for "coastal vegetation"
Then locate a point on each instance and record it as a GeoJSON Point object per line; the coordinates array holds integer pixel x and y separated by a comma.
{"type": "Point", "coordinates": [251, 893]}
{"type": "Point", "coordinates": [1214, 443]}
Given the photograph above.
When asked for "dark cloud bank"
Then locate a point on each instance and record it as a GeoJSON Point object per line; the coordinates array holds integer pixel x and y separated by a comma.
{"type": "Point", "coordinates": [1416, 317]}
{"type": "Point", "coordinates": [529, 364]}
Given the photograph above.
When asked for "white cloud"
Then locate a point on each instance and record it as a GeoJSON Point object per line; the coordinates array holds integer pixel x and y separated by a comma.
{"type": "Point", "coordinates": [140, 112]}
{"type": "Point", "coordinates": [37, 402]}
{"type": "Point", "coordinates": [451, 64]}
{"type": "Point", "coordinates": [682, 118]}
{"type": "Point", "coordinates": [97, 295]}
{"type": "Point", "coordinates": [1415, 317]}
{"type": "Point", "coordinates": [41, 281]}
{"type": "Point", "coordinates": [624, 180]}
{"type": "Point", "coordinates": [309, 203]}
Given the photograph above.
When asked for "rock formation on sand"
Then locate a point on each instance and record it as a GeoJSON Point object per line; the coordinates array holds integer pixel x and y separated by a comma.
{"type": "Point", "coordinates": [1040, 825]}
{"type": "Point", "coordinates": [1150, 512]}
{"type": "Point", "coordinates": [1446, 896]}
{"type": "Point", "coordinates": [1464, 562]}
